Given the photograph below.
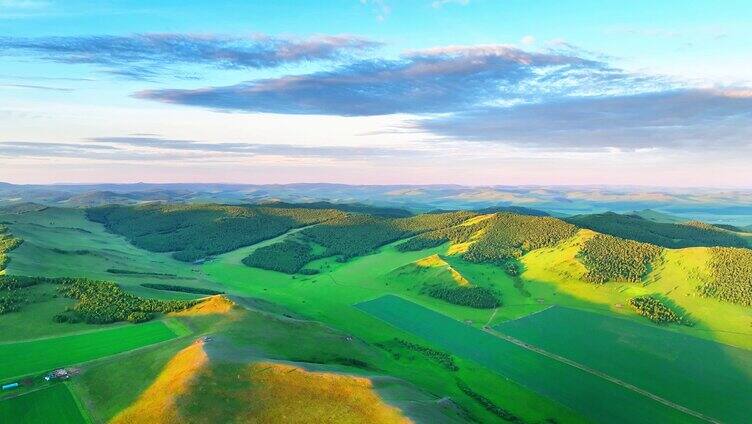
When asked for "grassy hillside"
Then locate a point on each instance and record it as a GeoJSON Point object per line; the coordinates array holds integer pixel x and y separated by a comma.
{"type": "Point", "coordinates": [7, 243]}
{"type": "Point", "coordinates": [665, 234]}
{"type": "Point", "coordinates": [300, 340]}
{"type": "Point", "coordinates": [193, 232]}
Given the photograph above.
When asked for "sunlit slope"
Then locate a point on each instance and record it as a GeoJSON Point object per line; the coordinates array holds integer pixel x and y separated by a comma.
{"type": "Point", "coordinates": [432, 269]}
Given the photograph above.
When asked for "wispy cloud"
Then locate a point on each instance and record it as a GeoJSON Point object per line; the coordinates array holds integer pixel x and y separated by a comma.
{"type": "Point", "coordinates": [437, 80]}
{"type": "Point", "coordinates": [144, 55]}
{"type": "Point", "coordinates": [34, 87]}
{"type": "Point", "coordinates": [156, 148]}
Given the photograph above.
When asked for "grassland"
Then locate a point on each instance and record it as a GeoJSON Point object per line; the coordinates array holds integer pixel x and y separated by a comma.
{"type": "Point", "coordinates": [52, 404]}
{"type": "Point", "coordinates": [663, 362]}
{"type": "Point", "coordinates": [310, 321]}
{"type": "Point", "coordinates": [35, 356]}
{"type": "Point", "coordinates": [606, 402]}
{"type": "Point", "coordinates": [60, 242]}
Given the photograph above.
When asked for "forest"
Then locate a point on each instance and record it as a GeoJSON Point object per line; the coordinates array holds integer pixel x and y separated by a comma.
{"type": "Point", "coordinates": [634, 227]}
{"type": "Point", "coordinates": [287, 256]}
{"type": "Point", "coordinates": [731, 271]}
{"type": "Point", "coordinates": [609, 258]}
{"type": "Point", "coordinates": [195, 232]}
{"type": "Point", "coordinates": [509, 236]}
{"type": "Point", "coordinates": [357, 235]}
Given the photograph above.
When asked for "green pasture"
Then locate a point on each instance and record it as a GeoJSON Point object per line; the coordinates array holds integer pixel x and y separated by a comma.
{"type": "Point", "coordinates": [36, 356]}
{"type": "Point", "coordinates": [61, 242]}
{"type": "Point", "coordinates": [671, 365]}
{"type": "Point", "coordinates": [328, 297]}
{"type": "Point", "coordinates": [592, 396]}
{"type": "Point", "coordinates": [53, 404]}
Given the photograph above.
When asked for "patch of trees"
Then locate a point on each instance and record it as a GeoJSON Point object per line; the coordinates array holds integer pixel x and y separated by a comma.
{"type": "Point", "coordinates": [488, 404]}
{"type": "Point", "coordinates": [145, 274]}
{"type": "Point", "coordinates": [444, 359]}
{"type": "Point", "coordinates": [427, 240]}
{"type": "Point", "coordinates": [194, 232]}
{"type": "Point", "coordinates": [655, 310]}
{"type": "Point", "coordinates": [509, 236]}
{"type": "Point", "coordinates": [12, 296]}
{"type": "Point", "coordinates": [474, 297]}
{"type": "Point", "coordinates": [634, 227]}
{"type": "Point", "coordinates": [287, 256]}
{"type": "Point", "coordinates": [609, 258]}
{"type": "Point", "coordinates": [103, 302]}
{"type": "Point", "coordinates": [357, 235]}
{"type": "Point", "coordinates": [345, 207]}
{"type": "Point", "coordinates": [731, 271]}
{"type": "Point", "coordinates": [7, 243]}
{"type": "Point", "coordinates": [174, 288]}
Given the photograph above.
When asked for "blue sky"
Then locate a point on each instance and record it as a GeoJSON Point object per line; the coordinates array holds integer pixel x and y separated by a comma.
{"type": "Point", "coordinates": [469, 92]}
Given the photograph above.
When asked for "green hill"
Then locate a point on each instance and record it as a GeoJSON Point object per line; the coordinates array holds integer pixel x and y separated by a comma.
{"type": "Point", "coordinates": [673, 235]}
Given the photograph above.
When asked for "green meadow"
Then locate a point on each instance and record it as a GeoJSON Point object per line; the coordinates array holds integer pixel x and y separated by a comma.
{"type": "Point", "coordinates": [36, 356]}
{"type": "Point", "coordinates": [605, 401]}
{"type": "Point", "coordinates": [53, 404]}
{"type": "Point", "coordinates": [61, 242]}
{"type": "Point", "coordinates": [663, 362]}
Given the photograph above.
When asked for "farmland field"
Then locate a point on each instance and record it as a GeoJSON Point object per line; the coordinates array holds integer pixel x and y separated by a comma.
{"type": "Point", "coordinates": [34, 356]}
{"type": "Point", "coordinates": [594, 397]}
{"type": "Point", "coordinates": [51, 404]}
{"type": "Point", "coordinates": [663, 362]}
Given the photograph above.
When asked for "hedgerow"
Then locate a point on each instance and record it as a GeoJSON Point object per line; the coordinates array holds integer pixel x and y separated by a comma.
{"type": "Point", "coordinates": [488, 404]}
{"type": "Point", "coordinates": [609, 258]}
{"type": "Point", "coordinates": [446, 360]}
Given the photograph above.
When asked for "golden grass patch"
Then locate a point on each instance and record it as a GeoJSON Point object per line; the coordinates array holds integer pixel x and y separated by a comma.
{"type": "Point", "coordinates": [286, 393]}
{"type": "Point", "coordinates": [217, 304]}
{"type": "Point", "coordinates": [157, 404]}
{"type": "Point", "coordinates": [436, 261]}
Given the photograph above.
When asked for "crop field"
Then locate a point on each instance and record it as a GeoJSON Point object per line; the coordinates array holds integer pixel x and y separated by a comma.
{"type": "Point", "coordinates": [596, 398]}
{"type": "Point", "coordinates": [23, 358]}
{"type": "Point", "coordinates": [51, 404]}
{"type": "Point", "coordinates": [663, 362]}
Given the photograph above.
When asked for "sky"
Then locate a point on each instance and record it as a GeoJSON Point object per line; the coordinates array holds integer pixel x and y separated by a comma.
{"type": "Point", "coordinates": [473, 92]}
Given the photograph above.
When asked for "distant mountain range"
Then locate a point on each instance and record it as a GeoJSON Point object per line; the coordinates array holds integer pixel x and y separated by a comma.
{"type": "Point", "coordinates": [728, 207]}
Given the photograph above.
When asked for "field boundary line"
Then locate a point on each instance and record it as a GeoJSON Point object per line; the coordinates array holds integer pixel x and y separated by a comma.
{"type": "Point", "coordinates": [602, 375]}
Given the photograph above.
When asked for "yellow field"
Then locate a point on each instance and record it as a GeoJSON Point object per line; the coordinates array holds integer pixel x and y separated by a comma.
{"type": "Point", "coordinates": [157, 405]}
